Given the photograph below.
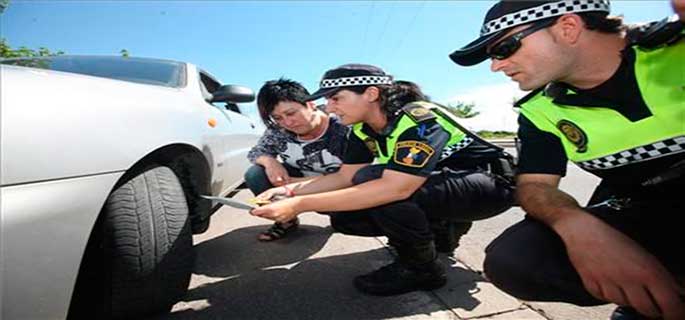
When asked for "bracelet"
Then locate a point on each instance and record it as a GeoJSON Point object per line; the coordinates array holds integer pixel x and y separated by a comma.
{"type": "Point", "coordinates": [289, 192]}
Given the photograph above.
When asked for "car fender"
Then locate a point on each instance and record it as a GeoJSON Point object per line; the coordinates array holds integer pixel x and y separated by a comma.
{"type": "Point", "coordinates": [45, 228]}
{"type": "Point", "coordinates": [88, 125]}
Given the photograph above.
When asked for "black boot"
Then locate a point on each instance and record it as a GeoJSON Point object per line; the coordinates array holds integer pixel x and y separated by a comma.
{"type": "Point", "coordinates": [626, 313]}
{"type": "Point", "coordinates": [447, 234]}
{"type": "Point", "coordinates": [416, 268]}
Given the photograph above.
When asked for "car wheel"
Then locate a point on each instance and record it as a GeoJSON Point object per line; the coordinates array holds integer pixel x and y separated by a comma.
{"type": "Point", "coordinates": [148, 244]}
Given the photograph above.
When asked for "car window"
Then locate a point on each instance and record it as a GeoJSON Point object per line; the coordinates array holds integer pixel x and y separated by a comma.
{"type": "Point", "coordinates": [209, 82]}
{"type": "Point", "coordinates": [140, 70]}
{"type": "Point", "coordinates": [208, 85]}
{"type": "Point", "coordinates": [205, 92]}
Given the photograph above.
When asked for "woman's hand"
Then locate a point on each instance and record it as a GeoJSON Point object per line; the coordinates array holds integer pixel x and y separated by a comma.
{"type": "Point", "coordinates": [279, 211]}
{"type": "Point", "coordinates": [274, 193]}
{"type": "Point", "coordinates": [275, 171]}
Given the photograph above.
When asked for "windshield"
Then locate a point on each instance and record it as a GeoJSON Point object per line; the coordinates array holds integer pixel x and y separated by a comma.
{"type": "Point", "coordinates": [148, 71]}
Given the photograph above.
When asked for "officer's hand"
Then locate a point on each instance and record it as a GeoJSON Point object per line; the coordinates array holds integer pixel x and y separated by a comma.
{"type": "Point", "coordinates": [276, 173]}
{"type": "Point", "coordinates": [280, 211]}
{"type": "Point", "coordinates": [679, 8]}
{"type": "Point", "coordinates": [615, 268]}
{"type": "Point", "coordinates": [273, 194]}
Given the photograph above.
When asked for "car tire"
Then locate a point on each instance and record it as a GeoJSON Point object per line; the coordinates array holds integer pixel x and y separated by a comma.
{"type": "Point", "coordinates": [148, 246]}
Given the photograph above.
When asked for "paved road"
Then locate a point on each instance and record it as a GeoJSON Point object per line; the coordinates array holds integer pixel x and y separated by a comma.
{"type": "Point", "coordinates": [308, 276]}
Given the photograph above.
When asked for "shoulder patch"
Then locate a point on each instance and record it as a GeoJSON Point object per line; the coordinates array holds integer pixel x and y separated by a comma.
{"type": "Point", "coordinates": [413, 153]}
{"type": "Point", "coordinates": [418, 113]}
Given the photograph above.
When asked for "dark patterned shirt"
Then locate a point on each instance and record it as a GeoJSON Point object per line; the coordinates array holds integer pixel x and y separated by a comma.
{"type": "Point", "coordinates": [312, 157]}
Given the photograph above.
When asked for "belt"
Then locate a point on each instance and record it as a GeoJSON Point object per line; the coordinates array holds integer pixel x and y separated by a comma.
{"type": "Point", "coordinates": [674, 172]}
{"type": "Point", "coordinates": [617, 204]}
{"type": "Point", "coordinates": [622, 203]}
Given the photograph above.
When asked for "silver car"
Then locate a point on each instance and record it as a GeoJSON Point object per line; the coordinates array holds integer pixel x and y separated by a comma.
{"type": "Point", "coordinates": [104, 161]}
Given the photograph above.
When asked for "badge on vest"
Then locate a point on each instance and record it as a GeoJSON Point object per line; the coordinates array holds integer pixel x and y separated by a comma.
{"type": "Point", "coordinates": [574, 134]}
{"type": "Point", "coordinates": [371, 145]}
{"type": "Point", "coordinates": [413, 153]}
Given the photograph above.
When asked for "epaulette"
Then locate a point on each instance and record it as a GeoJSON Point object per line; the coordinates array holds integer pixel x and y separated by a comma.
{"type": "Point", "coordinates": [656, 34]}
{"type": "Point", "coordinates": [417, 112]}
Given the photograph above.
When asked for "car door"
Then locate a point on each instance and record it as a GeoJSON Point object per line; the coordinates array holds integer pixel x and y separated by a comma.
{"type": "Point", "coordinates": [236, 140]}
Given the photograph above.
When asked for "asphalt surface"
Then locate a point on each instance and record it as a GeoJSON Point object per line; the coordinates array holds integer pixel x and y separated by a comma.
{"type": "Point", "coordinates": [309, 275]}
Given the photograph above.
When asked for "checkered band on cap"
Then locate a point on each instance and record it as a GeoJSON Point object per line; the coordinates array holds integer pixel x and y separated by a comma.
{"type": "Point", "coordinates": [543, 11]}
{"type": "Point", "coordinates": [635, 155]}
{"type": "Point", "coordinates": [447, 152]}
{"type": "Point", "coordinates": [355, 81]}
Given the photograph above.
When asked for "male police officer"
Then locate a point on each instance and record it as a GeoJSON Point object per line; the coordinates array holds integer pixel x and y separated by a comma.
{"type": "Point", "coordinates": [613, 103]}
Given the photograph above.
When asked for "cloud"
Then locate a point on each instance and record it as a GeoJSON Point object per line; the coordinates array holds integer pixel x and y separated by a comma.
{"type": "Point", "coordinates": [494, 102]}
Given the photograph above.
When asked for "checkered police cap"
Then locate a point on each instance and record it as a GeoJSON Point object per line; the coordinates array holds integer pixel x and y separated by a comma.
{"type": "Point", "coordinates": [508, 14]}
{"type": "Point", "coordinates": [350, 75]}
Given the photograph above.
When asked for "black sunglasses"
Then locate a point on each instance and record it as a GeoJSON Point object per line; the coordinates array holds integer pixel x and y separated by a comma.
{"type": "Point", "coordinates": [509, 45]}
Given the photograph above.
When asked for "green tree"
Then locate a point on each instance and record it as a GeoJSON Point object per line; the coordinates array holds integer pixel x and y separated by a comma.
{"type": "Point", "coordinates": [3, 5]}
{"type": "Point", "coordinates": [124, 53]}
{"type": "Point", "coordinates": [462, 109]}
{"type": "Point", "coordinates": [6, 51]}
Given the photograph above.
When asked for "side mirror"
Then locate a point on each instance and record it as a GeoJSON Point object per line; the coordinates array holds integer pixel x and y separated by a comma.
{"type": "Point", "coordinates": [232, 94]}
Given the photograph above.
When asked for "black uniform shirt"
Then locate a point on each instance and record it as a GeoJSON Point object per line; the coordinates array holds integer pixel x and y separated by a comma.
{"type": "Point", "coordinates": [417, 149]}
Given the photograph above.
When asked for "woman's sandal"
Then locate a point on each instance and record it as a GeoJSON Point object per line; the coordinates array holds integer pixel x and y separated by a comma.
{"type": "Point", "coordinates": [279, 230]}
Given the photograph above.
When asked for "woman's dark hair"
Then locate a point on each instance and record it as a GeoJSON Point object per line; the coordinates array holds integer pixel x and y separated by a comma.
{"type": "Point", "coordinates": [601, 22]}
{"type": "Point", "coordinates": [274, 92]}
{"type": "Point", "coordinates": [395, 96]}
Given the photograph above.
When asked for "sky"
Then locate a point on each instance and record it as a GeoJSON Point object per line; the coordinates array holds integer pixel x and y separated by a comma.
{"type": "Point", "coordinates": [248, 43]}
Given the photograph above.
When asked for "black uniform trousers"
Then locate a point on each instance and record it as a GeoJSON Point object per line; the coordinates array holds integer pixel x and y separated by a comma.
{"type": "Point", "coordinates": [456, 195]}
{"type": "Point", "coordinates": [529, 260]}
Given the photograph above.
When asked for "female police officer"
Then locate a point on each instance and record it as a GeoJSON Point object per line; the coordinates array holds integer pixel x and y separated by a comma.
{"type": "Point", "coordinates": [426, 172]}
